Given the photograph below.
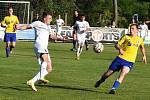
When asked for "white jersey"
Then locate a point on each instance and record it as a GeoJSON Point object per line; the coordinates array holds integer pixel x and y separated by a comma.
{"type": "Point", "coordinates": [144, 30]}
{"type": "Point", "coordinates": [59, 23]}
{"type": "Point", "coordinates": [42, 35]}
{"type": "Point", "coordinates": [144, 27]}
{"type": "Point", "coordinates": [81, 26]}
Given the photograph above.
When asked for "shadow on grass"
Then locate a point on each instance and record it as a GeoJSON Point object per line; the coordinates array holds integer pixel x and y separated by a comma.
{"type": "Point", "coordinates": [26, 88]}
{"type": "Point", "coordinates": [69, 88]}
{"type": "Point", "coordinates": [18, 88]}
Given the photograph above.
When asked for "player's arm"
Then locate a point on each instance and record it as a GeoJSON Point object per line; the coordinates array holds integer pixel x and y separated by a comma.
{"type": "Point", "coordinates": [88, 27]}
{"type": "Point", "coordinates": [75, 27]}
{"type": "Point", "coordinates": [3, 24]}
{"type": "Point", "coordinates": [118, 45]}
{"type": "Point", "coordinates": [28, 26]}
{"type": "Point", "coordinates": [142, 48]}
{"type": "Point", "coordinates": [55, 37]}
{"type": "Point", "coordinates": [23, 27]}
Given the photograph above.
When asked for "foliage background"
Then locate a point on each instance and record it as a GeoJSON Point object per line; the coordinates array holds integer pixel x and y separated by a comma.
{"type": "Point", "coordinates": [99, 12]}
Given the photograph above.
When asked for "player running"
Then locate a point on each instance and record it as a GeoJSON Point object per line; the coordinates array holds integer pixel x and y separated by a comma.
{"type": "Point", "coordinates": [10, 23]}
{"type": "Point", "coordinates": [59, 24]}
{"type": "Point", "coordinates": [127, 46]}
{"type": "Point", "coordinates": [81, 27]}
{"type": "Point", "coordinates": [43, 31]}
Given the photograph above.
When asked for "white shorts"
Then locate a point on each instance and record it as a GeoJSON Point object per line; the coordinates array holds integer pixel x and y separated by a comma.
{"type": "Point", "coordinates": [81, 39]}
{"type": "Point", "coordinates": [39, 53]}
{"type": "Point", "coordinates": [59, 31]}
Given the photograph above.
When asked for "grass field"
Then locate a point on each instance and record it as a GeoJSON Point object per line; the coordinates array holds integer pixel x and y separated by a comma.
{"type": "Point", "coordinates": [70, 79]}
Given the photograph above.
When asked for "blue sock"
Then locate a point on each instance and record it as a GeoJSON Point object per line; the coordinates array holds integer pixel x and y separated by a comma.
{"type": "Point", "coordinates": [116, 85]}
{"type": "Point", "coordinates": [7, 52]}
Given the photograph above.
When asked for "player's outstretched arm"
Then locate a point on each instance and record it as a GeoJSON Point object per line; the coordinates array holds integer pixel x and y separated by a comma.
{"type": "Point", "coordinates": [142, 48]}
{"type": "Point", "coordinates": [22, 27]}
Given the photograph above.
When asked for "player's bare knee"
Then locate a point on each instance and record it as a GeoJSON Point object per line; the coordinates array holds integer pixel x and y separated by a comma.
{"type": "Point", "coordinates": [108, 73]}
{"type": "Point", "coordinates": [49, 67]}
{"type": "Point", "coordinates": [49, 70]}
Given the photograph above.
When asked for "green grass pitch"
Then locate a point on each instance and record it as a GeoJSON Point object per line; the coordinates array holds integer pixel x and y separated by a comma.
{"type": "Point", "coordinates": [70, 79]}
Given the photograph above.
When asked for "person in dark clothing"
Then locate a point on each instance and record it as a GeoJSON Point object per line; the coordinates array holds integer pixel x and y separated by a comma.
{"type": "Point", "coordinates": [75, 18]}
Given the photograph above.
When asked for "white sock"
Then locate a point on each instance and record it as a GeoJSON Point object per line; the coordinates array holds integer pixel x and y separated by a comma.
{"type": "Point", "coordinates": [36, 77]}
{"type": "Point", "coordinates": [81, 48]}
{"type": "Point", "coordinates": [78, 50]}
{"type": "Point", "coordinates": [42, 73]}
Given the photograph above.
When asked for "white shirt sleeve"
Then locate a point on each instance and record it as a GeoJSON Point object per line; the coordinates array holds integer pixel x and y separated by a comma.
{"type": "Point", "coordinates": [62, 21]}
{"type": "Point", "coordinates": [35, 24]}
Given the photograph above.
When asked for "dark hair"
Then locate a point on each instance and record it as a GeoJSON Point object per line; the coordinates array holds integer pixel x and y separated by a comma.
{"type": "Point", "coordinates": [45, 14]}
{"type": "Point", "coordinates": [82, 15]}
{"type": "Point", "coordinates": [76, 10]}
{"type": "Point", "coordinates": [134, 25]}
{"type": "Point", "coordinates": [10, 7]}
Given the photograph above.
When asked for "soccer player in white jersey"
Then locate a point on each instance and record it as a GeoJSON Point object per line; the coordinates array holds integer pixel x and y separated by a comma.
{"type": "Point", "coordinates": [59, 24]}
{"type": "Point", "coordinates": [144, 30]}
{"type": "Point", "coordinates": [81, 27]}
{"type": "Point", "coordinates": [43, 31]}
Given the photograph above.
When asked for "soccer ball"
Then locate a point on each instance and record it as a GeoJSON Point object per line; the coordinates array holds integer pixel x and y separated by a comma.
{"type": "Point", "coordinates": [98, 47]}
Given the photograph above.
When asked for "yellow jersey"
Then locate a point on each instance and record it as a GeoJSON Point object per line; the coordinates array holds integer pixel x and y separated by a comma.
{"type": "Point", "coordinates": [130, 45]}
{"type": "Point", "coordinates": [10, 21]}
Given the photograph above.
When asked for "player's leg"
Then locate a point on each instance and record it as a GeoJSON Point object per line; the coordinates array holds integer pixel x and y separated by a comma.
{"type": "Point", "coordinates": [7, 49]}
{"type": "Point", "coordinates": [42, 73]}
{"type": "Point", "coordinates": [78, 51]}
{"type": "Point", "coordinates": [43, 68]}
{"type": "Point", "coordinates": [115, 66]}
{"type": "Point", "coordinates": [79, 46]}
{"type": "Point", "coordinates": [13, 44]}
{"type": "Point", "coordinates": [13, 41]}
{"type": "Point", "coordinates": [86, 44]}
{"type": "Point", "coordinates": [124, 71]}
{"type": "Point", "coordinates": [48, 69]}
{"type": "Point", "coordinates": [74, 41]}
{"type": "Point", "coordinates": [49, 64]}
{"type": "Point", "coordinates": [7, 40]}
{"type": "Point", "coordinates": [108, 73]}
{"type": "Point", "coordinates": [82, 39]}
{"type": "Point", "coordinates": [59, 36]}
{"type": "Point", "coordinates": [38, 75]}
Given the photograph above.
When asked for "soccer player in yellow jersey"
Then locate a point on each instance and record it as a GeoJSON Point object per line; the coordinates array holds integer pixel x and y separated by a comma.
{"type": "Point", "coordinates": [127, 46]}
{"type": "Point", "coordinates": [10, 23]}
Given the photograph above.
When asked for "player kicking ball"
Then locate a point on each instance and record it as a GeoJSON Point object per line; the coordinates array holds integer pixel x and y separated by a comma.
{"type": "Point", "coordinates": [127, 46]}
{"type": "Point", "coordinates": [43, 31]}
{"type": "Point", "coordinates": [81, 27]}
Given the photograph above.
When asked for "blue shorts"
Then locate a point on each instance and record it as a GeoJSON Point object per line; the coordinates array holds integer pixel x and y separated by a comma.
{"type": "Point", "coordinates": [10, 37]}
{"type": "Point", "coordinates": [118, 63]}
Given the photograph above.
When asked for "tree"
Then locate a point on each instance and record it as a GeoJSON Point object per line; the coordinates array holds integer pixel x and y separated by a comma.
{"type": "Point", "coordinates": [115, 12]}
